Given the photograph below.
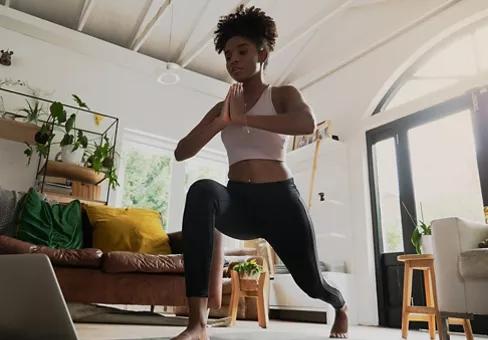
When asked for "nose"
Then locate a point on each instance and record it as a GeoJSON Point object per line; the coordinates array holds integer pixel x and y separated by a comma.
{"type": "Point", "coordinates": [234, 59]}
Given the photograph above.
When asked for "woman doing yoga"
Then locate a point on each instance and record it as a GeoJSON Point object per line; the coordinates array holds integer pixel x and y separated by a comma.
{"type": "Point", "coordinates": [260, 200]}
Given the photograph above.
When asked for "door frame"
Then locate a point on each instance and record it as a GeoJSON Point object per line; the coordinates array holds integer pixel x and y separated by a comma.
{"type": "Point", "coordinates": [399, 129]}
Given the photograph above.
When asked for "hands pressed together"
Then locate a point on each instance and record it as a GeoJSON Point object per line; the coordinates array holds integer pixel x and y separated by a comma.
{"type": "Point", "coordinates": [234, 108]}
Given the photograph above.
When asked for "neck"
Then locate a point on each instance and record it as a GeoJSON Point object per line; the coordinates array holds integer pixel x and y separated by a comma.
{"type": "Point", "coordinates": [254, 85]}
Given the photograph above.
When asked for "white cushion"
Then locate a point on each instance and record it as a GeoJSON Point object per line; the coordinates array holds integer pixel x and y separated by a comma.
{"type": "Point", "coordinates": [473, 264]}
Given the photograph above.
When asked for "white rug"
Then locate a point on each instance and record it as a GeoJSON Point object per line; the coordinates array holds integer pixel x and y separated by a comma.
{"type": "Point", "coordinates": [259, 335]}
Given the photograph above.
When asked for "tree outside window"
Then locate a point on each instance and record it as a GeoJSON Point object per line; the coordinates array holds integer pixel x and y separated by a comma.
{"type": "Point", "coordinates": [147, 180]}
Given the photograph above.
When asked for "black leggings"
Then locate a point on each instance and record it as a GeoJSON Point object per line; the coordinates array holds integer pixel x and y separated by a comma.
{"type": "Point", "coordinates": [245, 211]}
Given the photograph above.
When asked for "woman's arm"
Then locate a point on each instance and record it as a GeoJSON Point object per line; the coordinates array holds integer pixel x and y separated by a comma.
{"type": "Point", "coordinates": [297, 118]}
{"type": "Point", "coordinates": [201, 134]}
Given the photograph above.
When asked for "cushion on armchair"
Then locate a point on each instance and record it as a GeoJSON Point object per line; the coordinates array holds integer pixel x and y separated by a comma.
{"type": "Point", "coordinates": [473, 264]}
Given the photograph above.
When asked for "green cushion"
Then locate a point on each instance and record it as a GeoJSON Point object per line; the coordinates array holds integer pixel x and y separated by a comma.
{"type": "Point", "coordinates": [56, 226]}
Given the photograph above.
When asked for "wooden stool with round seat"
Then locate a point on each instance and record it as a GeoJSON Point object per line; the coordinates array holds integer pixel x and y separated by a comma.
{"type": "Point", "coordinates": [429, 313]}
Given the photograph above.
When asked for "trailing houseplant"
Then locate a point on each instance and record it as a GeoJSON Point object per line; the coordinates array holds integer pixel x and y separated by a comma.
{"type": "Point", "coordinates": [249, 270]}
{"type": "Point", "coordinates": [99, 157]}
{"type": "Point", "coordinates": [58, 120]}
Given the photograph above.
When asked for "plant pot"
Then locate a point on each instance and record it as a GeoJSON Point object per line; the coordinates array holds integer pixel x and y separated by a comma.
{"type": "Point", "coordinates": [246, 276]}
{"type": "Point", "coordinates": [426, 244]}
{"type": "Point", "coordinates": [71, 157]}
{"type": "Point", "coordinates": [249, 282]}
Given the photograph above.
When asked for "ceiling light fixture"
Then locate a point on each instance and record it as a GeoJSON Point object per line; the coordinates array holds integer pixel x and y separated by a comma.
{"type": "Point", "coordinates": [170, 76]}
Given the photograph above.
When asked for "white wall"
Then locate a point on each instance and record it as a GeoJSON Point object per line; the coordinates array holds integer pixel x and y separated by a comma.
{"type": "Point", "coordinates": [135, 98]}
{"type": "Point", "coordinates": [349, 96]}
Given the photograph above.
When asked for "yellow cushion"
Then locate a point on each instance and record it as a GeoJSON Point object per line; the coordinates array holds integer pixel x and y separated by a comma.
{"type": "Point", "coordinates": [127, 229]}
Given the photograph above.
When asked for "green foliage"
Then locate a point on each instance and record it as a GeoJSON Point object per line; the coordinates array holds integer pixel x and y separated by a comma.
{"type": "Point", "coordinates": [248, 267]}
{"type": "Point", "coordinates": [102, 156]}
{"type": "Point", "coordinates": [394, 239]}
{"type": "Point", "coordinates": [147, 181]}
{"type": "Point", "coordinates": [421, 229]}
{"type": "Point", "coordinates": [33, 111]}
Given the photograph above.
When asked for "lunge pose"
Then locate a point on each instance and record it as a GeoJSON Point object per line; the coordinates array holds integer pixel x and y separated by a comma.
{"type": "Point", "coordinates": [260, 199]}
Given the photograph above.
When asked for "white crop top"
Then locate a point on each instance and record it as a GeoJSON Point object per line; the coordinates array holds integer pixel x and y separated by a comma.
{"type": "Point", "coordinates": [243, 143]}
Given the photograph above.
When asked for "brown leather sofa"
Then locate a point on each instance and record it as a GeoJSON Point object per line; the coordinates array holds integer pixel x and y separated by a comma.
{"type": "Point", "coordinates": [124, 278]}
{"type": "Point", "coordinates": [90, 276]}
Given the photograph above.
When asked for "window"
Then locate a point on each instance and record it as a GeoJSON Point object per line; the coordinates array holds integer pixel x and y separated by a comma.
{"type": "Point", "coordinates": [147, 178]}
{"type": "Point", "coordinates": [197, 169]}
{"type": "Point", "coordinates": [461, 56]}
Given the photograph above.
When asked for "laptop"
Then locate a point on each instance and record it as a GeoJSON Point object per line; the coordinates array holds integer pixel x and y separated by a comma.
{"type": "Point", "coordinates": [32, 306]}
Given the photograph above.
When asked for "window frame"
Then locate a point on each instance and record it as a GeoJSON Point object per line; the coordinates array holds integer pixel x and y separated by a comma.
{"type": "Point", "coordinates": [417, 64]}
{"type": "Point", "coordinates": [164, 146]}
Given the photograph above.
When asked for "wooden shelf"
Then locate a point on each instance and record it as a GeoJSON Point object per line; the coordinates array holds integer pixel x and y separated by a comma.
{"type": "Point", "coordinates": [62, 198]}
{"type": "Point", "coordinates": [72, 172]}
{"type": "Point", "coordinates": [17, 131]}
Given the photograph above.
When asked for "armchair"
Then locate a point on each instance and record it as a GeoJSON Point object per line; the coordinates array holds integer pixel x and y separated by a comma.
{"type": "Point", "coordinates": [461, 269]}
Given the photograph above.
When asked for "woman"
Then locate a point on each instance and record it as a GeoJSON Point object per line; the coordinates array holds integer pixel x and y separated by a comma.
{"type": "Point", "coordinates": [260, 199]}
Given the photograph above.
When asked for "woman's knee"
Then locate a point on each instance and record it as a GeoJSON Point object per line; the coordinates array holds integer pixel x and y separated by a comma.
{"type": "Point", "coordinates": [203, 190]}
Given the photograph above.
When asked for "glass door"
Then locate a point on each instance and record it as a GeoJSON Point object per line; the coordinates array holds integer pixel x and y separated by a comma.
{"type": "Point", "coordinates": [422, 167]}
{"type": "Point", "coordinates": [445, 170]}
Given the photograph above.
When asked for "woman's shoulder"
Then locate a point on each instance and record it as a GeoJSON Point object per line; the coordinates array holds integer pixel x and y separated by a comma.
{"type": "Point", "coordinates": [282, 94]}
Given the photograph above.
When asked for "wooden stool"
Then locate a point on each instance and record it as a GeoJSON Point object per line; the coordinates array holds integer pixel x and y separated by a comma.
{"type": "Point", "coordinates": [248, 288]}
{"type": "Point", "coordinates": [430, 312]}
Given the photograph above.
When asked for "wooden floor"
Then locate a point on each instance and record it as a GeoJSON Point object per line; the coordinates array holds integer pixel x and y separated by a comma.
{"type": "Point", "coordinates": [105, 332]}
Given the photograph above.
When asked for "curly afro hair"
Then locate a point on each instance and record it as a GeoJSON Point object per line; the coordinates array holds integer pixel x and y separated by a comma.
{"type": "Point", "coordinates": [251, 23]}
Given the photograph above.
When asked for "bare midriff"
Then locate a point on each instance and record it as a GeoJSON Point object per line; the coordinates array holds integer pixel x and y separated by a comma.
{"type": "Point", "coordinates": [259, 171]}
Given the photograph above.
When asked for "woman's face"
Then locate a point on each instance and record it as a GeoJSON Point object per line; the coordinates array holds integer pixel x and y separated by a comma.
{"type": "Point", "coordinates": [242, 58]}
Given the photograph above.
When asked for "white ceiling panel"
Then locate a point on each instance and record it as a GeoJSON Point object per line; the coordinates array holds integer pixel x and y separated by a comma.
{"type": "Point", "coordinates": [207, 60]}
{"type": "Point", "coordinates": [290, 15]}
{"type": "Point", "coordinates": [61, 12]}
{"type": "Point", "coordinates": [358, 28]}
{"type": "Point", "coordinates": [115, 21]}
{"type": "Point", "coordinates": [339, 32]}
{"type": "Point", "coordinates": [185, 14]}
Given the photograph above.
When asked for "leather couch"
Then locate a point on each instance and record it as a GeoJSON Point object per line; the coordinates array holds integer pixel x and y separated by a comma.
{"type": "Point", "coordinates": [89, 275]}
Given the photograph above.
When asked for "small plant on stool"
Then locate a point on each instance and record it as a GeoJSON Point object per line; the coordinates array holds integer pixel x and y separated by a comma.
{"type": "Point", "coordinates": [249, 270]}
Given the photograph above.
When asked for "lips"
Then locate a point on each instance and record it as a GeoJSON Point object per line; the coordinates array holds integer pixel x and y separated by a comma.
{"type": "Point", "coordinates": [236, 69]}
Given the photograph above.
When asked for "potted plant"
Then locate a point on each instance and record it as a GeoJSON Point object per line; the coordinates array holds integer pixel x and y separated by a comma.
{"type": "Point", "coordinates": [422, 235]}
{"type": "Point", "coordinates": [100, 158]}
{"type": "Point", "coordinates": [33, 111]}
{"type": "Point", "coordinates": [249, 270]}
{"type": "Point", "coordinates": [74, 145]}
{"type": "Point", "coordinates": [422, 239]}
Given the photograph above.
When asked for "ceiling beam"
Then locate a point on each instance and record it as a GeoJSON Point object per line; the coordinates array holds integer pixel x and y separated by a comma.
{"type": "Point", "coordinates": [316, 76]}
{"type": "Point", "coordinates": [184, 42]}
{"type": "Point", "coordinates": [186, 58]}
{"type": "Point", "coordinates": [309, 26]}
{"type": "Point", "coordinates": [85, 13]}
{"type": "Point", "coordinates": [7, 3]}
{"type": "Point", "coordinates": [319, 21]}
{"type": "Point", "coordinates": [149, 22]}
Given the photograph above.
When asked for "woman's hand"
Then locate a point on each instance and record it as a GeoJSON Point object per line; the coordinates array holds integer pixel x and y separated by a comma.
{"type": "Point", "coordinates": [237, 104]}
{"type": "Point", "coordinates": [224, 118]}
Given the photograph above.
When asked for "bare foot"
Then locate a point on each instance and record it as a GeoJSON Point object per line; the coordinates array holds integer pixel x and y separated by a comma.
{"type": "Point", "coordinates": [340, 326]}
{"type": "Point", "coordinates": [193, 333]}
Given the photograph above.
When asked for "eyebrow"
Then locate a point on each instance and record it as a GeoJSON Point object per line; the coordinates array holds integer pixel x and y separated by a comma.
{"type": "Point", "coordinates": [240, 45]}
